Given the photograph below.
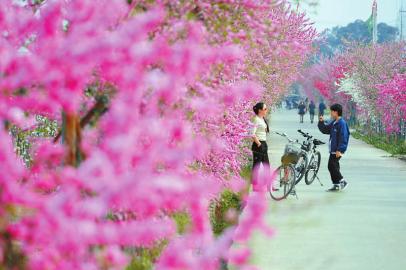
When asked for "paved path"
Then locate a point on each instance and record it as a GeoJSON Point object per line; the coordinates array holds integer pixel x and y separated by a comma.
{"type": "Point", "coordinates": [363, 227]}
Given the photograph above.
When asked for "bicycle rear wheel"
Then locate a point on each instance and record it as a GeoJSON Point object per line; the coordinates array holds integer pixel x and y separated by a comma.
{"type": "Point", "coordinates": [283, 183]}
{"type": "Point", "coordinates": [313, 168]}
{"type": "Point", "coordinates": [301, 167]}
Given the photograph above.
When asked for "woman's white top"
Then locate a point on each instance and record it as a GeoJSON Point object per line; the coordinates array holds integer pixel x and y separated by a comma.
{"type": "Point", "coordinates": [259, 129]}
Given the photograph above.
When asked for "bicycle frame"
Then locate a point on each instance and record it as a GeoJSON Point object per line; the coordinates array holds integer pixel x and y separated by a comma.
{"type": "Point", "coordinates": [313, 155]}
{"type": "Point", "coordinates": [308, 149]}
{"type": "Point", "coordinates": [307, 146]}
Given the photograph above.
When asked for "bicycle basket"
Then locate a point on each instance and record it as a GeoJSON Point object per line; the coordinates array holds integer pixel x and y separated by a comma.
{"type": "Point", "coordinates": [291, 154]}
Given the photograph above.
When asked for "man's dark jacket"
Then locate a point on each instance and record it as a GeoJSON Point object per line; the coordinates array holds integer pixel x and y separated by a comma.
{"type": "Point", "coordinates": [322, 107]}
{"type": "Point", "coordinates": [339, 134]}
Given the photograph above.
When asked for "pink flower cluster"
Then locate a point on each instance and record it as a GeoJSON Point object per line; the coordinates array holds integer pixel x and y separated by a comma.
{"type": "Point", "coordinates": [369, 77]}
{"type": "Point", "coordinates": [323, 79]}
{"type": "Point", "coordinates": [392, 102]}
{"type": "Point", "coordinates": [173, 136]}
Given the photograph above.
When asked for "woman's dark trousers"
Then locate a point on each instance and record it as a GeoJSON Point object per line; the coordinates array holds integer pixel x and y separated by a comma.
{"type": "Point", "coordinates": [260, 154]}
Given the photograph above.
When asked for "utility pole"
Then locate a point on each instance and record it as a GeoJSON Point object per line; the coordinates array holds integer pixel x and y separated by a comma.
{"type": "Point", "coordinates": [375, 22]}
{"type": "Point", "coordinates": [401, 24]}
{"type": "Point", "coordinates": [402, 21]}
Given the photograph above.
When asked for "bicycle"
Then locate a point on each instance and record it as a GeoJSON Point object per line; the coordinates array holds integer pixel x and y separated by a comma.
{"type": "Point", "coordinates": [292, 170]}
{"type": "Point", "coordinates": [295, 165]}
{"type": "Point", "coordinates": [295, 155]}
{"type": "Point", "coordinates": [313, 155]}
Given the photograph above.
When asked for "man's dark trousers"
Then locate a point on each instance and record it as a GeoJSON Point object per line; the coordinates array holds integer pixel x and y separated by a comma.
{"type": "Point", "coordinates": [334, 169]}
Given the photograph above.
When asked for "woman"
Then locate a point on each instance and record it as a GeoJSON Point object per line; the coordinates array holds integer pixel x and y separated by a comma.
{"type": "Point", "coordinates": [261, 128]}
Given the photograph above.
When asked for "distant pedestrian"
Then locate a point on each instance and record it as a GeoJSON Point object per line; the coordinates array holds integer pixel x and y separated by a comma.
{"type": "Point", "coordinates": [322, 108]}
{"type": "Point", "coordinates": [339, 136]}
{"type": "Point", "coordinates": [307, 104]}
{"type": "Point", "coordinates": [312, 111]}
{"type": "Point", "coordinates": [302, 110]}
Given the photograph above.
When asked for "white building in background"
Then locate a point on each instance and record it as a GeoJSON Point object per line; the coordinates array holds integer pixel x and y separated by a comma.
{"type": "Point", "coordinates": [402, 19]}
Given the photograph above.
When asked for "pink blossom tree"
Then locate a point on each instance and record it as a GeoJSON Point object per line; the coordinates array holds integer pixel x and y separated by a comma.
{"type": "Point", "coordinates": [362, 76]}
{"type": "Point", "coordinates": [160, 132]}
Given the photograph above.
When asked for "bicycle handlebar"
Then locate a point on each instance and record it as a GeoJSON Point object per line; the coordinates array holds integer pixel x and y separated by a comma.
{"type": "Point", "coordinates": [297, 141]}
{"type": "Point", "coordinates": [286, 136]}
{"type": "Point", "coordinates": [306, 135]}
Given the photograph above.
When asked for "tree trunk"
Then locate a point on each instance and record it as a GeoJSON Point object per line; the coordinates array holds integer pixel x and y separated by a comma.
{"type": "Point", "coordinates": [71, 138]}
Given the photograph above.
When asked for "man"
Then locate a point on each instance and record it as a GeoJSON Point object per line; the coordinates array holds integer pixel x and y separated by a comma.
{"type": "Point", "coordinates": [312, 110]}
{"type": "Point", "coordinates": [322, 107]}
{"type": "Point", "coordinates": [339, 136]}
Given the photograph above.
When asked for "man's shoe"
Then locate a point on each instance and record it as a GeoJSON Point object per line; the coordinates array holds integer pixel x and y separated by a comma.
{"type": "Point", "coordinates": [343, 184]}
{"type": "Point", "coordinates": [334, 188]}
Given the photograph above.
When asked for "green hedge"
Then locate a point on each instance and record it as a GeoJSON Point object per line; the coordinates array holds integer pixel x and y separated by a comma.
{"type": "Point", "coordinates": [228, 201]}
{"type": "Point", "coordinates": [392, 147]}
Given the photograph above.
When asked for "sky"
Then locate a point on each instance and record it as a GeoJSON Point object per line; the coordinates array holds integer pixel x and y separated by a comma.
{"type": "Point", "coordinates": [330, 13]}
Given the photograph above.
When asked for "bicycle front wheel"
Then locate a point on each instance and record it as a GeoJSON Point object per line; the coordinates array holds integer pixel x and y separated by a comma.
{"type": "Point", "coordinates": [313, 168]}
{"type": "Point", "coordinates": [284, 182]}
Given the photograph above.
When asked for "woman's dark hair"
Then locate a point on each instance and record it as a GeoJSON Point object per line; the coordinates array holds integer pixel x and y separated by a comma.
{"type": "Point", "coordinates": [267, 126]}
{"type": "Point", "coordinates": [256, 108]}
{"type": "Point", "coordinates": [337, 108]}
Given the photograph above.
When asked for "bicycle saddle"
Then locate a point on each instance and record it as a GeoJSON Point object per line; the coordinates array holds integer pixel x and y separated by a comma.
{"type": "Point", "coordinates": [318, 142]}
